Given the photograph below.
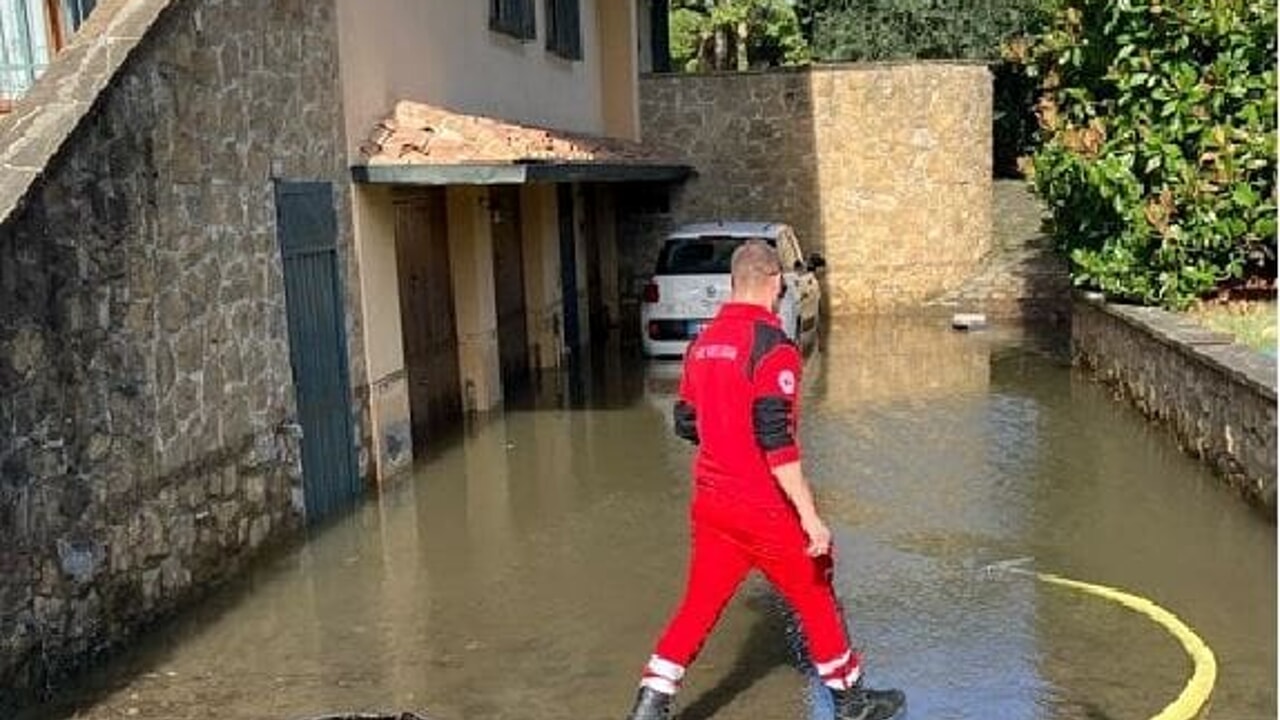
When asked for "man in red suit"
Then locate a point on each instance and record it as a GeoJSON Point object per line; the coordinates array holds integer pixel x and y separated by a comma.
{"type": "Point", "coordinates": [752, 507]}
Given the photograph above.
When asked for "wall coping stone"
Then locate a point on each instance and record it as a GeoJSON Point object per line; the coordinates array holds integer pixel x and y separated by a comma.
{"type": "Point", "coordinates": [833, 67]}
{"type": "Point", "coordinates": [43, 119]}
{"type": "Point", "coordinates": [1215, 349]}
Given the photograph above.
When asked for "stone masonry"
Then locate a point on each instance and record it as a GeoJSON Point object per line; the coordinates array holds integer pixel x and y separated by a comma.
{"type": "Point", "coordinates": [885, 168]}
{"type": "Point", "coordinates": [1217, 397]}
{"type": "Point", "coordinates": [1022, 277]}
{"type": "Point", "coordinates": [145, 383]}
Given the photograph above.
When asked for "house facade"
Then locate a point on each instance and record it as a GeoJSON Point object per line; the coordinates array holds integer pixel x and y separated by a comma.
{"type": "Point", "coordinates": [487, 142]}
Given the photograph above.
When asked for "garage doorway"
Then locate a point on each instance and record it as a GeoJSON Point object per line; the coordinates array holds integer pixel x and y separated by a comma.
{"type": "Point", "coordinates": [427, 315]}
{"type": "Point", "coordinates": [597, 311]}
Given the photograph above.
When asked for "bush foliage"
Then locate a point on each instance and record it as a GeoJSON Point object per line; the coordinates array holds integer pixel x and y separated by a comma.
{"type": "Point", "coordinates": [722, 35]}
{"type": "Point", "coordinates": [1157, 148]}
{"type": "Point", "coordinates": [850, 30]}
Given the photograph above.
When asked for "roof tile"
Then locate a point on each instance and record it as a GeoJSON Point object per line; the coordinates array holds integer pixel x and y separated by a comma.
{"type": "Point", "coordinates": [417, 133]}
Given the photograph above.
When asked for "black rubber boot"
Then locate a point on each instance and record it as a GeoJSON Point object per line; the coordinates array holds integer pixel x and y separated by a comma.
{"type": "Point", "coordinates": [862, 703]}
{"type": "Point", "coordinates": [651, 705]}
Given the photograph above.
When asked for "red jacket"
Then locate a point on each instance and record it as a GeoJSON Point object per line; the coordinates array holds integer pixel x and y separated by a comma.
{"type": "Point", "coordinates": [739, 401]}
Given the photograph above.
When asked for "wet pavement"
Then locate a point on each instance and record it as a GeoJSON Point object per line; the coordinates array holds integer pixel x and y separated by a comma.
{"type": "Point", "coordinates": [527, 566]}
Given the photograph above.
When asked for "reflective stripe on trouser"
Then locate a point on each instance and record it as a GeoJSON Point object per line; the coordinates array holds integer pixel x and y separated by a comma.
{"type": "Point", "coordinates": [662, 675]}
{"type": "Point", "coordinates": [722, 557]}
{"type": "Point", "coordinates": [841, 673]}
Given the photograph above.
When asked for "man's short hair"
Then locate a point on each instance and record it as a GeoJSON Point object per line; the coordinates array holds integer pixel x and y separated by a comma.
{"type": "Point", "coordinates": [753, 263]}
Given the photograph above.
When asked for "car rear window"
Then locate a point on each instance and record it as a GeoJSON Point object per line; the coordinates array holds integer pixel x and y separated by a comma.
{"type": "Point", "coordinates": [704, 255]}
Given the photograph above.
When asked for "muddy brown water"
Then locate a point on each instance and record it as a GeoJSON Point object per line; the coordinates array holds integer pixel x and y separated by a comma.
{"type": "Point", "coordinates": [525, 568]}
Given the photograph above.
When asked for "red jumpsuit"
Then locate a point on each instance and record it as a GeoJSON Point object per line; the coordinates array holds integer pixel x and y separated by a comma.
{"type": "Point", "coordinates": [739, 401]}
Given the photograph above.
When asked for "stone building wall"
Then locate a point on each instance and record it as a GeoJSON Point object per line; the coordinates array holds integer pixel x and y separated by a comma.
{"type": "Point", "coordinates": [1217, 397]}
{"type": "Point", "coordinates": [145, 382]}
{"type": "Point", "coordinates": [885, 168]}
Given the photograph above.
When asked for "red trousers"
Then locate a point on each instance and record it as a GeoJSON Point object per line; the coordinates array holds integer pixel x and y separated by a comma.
{"type": "Point", "coordinates": [730, 540]}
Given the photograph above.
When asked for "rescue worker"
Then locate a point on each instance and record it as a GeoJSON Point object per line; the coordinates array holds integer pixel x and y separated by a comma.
{"type": "Point", "coordinates": [752, 507]}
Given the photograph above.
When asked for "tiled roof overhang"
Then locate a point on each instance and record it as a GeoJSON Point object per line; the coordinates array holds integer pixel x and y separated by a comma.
{"type": "Point", "coordinates": [426, 145]}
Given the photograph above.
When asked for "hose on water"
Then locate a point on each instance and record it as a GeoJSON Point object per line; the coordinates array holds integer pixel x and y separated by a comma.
{"type": "Point", "coordinates": [1193, 699]}
{"type": "Point", "coordinates": [1195, 694]}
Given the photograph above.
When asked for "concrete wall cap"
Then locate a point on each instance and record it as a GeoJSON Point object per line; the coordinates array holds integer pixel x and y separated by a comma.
{"type": "Point", "coordinates": [828, 67]}
{"type": "Point", "coordinates": [43, 119]}
{"type": "Point", "coordinates": [1217, 349]}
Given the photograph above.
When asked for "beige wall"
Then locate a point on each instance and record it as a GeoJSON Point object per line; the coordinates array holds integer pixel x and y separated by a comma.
{"type": "Point", "coordinates": [442, 52]}
{"type": "Point", "coordinates": [375, 225]}
{"type": "Point", "coordinates": [619, 69]}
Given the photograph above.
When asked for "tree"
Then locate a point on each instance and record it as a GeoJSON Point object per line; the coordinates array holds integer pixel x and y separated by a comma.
{"type": "Point", "coordinates": [735, 35]}
{"type": "Point", "coordinates": [806, 11]}
{"type": "Point", "coordinates": [845, 30]}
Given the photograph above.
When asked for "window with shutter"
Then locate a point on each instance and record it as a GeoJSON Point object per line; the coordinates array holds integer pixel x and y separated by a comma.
{"type": "Point", "coordinates": [564, 28]}
{"type": "Point", "coordinates": [513, 17]}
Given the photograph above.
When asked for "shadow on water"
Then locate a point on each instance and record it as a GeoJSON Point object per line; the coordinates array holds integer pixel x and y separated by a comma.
{"type": "Point", "coordinates": [608, 377]}
{"type": "Point", "coordinates": [444, 440]}
{"type": "Point", "coordinates": [114, 669]}
{"type": "Point", "coordinates": [760, 653]}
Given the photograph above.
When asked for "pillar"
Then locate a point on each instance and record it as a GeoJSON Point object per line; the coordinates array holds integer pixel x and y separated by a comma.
{"type": "Point", "coordinates": [541, 251]}
{"type": "Point", "coordinates": [619, 74]}
{"type": "Point", "coordinates": [471, 263]}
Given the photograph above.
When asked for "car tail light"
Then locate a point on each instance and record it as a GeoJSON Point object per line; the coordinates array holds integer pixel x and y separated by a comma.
{"type": "Point", "coordinates": [651, 293]}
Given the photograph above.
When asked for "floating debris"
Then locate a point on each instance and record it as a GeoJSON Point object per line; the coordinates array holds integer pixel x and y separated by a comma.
{"type": "Point", "coordinates": [968, 321]}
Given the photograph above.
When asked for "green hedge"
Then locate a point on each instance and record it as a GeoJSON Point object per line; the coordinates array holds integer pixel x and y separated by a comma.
{"type": "Point", "coordinates": [1157, 148]}
{"type": "Point", "coordinates": [849, 30]}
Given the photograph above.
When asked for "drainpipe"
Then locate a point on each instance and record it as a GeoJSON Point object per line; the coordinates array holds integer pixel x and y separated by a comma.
{"type": "Point", "coordinates": [660, 34]}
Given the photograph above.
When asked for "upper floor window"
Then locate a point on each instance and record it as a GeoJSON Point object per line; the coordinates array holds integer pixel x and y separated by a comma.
{"type": "Point", "coordinates": [564, 29]}
{"type": "Point", "coordinates": [31, 33]}
{"type": "Point", "coordinates": [514, 18]}
{"type": "Point", "coordinates": [73, 14]}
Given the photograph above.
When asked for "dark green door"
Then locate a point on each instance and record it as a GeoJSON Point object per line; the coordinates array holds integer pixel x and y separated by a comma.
{"type": "Point", "coordinates": [508, 276]}
{"type": "Point", "coordinates": [308, 234]}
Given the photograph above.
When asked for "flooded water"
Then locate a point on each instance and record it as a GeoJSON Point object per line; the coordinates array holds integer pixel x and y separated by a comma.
{"type": "Point", "coordinates": [526, 568]}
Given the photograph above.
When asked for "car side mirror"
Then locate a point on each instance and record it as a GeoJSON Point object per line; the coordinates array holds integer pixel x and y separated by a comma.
{"type": "Point", "coordinates": [817, 262]}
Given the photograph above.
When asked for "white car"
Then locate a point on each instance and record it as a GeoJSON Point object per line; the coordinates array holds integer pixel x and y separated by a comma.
{"type": "Point", "coordinates": [691, 282]}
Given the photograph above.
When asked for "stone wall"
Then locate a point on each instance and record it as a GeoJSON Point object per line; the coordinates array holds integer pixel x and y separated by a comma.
{"type": "Point", "coordinates": [1217, 397]}
{"type": "Point", "coordinates": [885, 168]}
{"type": "Point", "coordinates": [145, 383]}
{"type": "Point", "coordinates": [1023, 277]}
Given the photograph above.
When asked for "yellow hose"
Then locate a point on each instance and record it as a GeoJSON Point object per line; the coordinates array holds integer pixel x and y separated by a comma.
{"type": "Point", "coordinates": [1195, 695]}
